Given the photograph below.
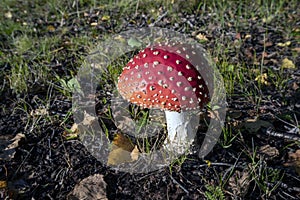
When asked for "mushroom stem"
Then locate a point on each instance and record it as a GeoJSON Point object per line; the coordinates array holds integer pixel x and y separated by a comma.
{"type": "Point", "coordinates": [180, 130]}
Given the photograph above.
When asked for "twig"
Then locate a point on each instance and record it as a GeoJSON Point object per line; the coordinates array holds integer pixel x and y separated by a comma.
{"type": "Point", "coordinates": [23, 161]}
{"type": "Point", "coordinates": [270, 131]}
{"type": "Point", "coordinates": [173, 179]}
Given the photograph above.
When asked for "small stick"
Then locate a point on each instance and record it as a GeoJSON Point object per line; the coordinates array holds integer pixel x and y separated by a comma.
{"type": "Point", "coordinates": [288, 136]}
{"type": "Point", "coordinates": [173, 179]}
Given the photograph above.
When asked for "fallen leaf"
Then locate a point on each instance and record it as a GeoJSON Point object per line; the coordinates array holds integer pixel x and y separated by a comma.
{"type": "Point", "coordinates": [262, 79]}
{"type": "Point", "coordinates": [248, 36]}
{"type": "Point", "coordinates": [122, 150]}
{"type": "Point", "coordinates": [123, 142]}
{"type": "Point", "coordinates": [295, 86]}
{"type": "Point", "coordinates": [105, 17]}
{"type": "Point", "coordinates": [71, 133]}
{"type": "Point", "coordinates": [3, 184]}
{"type": "Point", "coordinates": [92, 187]}
{"type": "Point", "coordinates": [9, 151]}
{"type": "Point", "coordinates": [120, 38]}
{"type": "Point", "coordinates": [135, 153]}
{"type": "Point", "coordinates": [268, 151]}
{"type": "Point", "coordinates": [268, 44]}
{"type": "Point", "coordinates": [287, 64]}
{"type": "Point", "coordinates": [208, 163]}
{"type": "Point", "coordinates": [280, 44]}
{"type": "Point", "coordinates": [268, 19]}
{"type": "Point", "coordinates": [297, 49]}
{"type": "Point", "coordinates": [239, 183]}
{"type": "Point", "coordinates": [294, 160]}
{"type": "Point", "coordinates": [118, 156]}
{"type": "Point", "coordinates": [88, 119]}
{"type": "Point", "coordinates": [238, 36]}
{"type": "Point", "coordinates": [50, 28]}
{"type": "Point", "coordinates": [39, 112]}
{"type": "Point", "coordinates": [15, 141]}
{"type": "Point", "coordinates": [74, 128]}
{"type": "Point", "coordinates": [94, 24]}
{"type": "Point", "coordinates": [201, 37]}
{"type": "Point", "coordinates": [8, 15]}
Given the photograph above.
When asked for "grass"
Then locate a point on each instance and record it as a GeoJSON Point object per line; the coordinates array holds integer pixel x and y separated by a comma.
{"type": "Point", "coordinates": [44, 43]}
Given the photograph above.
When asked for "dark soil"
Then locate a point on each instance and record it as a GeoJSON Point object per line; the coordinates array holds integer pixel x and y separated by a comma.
{"type": "Point", "coordinates": [48, 166]}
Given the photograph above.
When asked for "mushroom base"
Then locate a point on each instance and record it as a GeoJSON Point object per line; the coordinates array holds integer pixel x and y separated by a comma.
{"type": "Point", "coordinates": [181, 131]}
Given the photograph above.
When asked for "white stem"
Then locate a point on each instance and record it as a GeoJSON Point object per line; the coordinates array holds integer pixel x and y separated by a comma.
{"type": "Point", "coordinates": [180, 130]}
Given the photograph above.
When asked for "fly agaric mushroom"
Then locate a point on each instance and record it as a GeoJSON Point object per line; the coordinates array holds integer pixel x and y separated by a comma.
{"type": "Point", "coordinates": [162, 76]}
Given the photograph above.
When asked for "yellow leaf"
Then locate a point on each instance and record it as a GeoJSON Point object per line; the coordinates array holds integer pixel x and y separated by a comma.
{"type": "Point", "coordinates": [201, 37]}
{"type": "Point", "coordinates": [208, 163]}
{"type": "Point", "coordinates": [262, 79]}
{"type": "Point", "coordinates": [105, 17]}
{"type": "Point", "coordinates": [94, 24]}
{"type": "Point", "coordinates": [51, 28]}
{"type": "Point", "coordinates": [247, 36]}
{"type": "Point", "coordinates": [280, 44]}
{"type": "Point", "coordinates": [268, 19]}
{"type": "Point", "coordinates": [287, 64]}
{"type": "Point", "coordinates": [120, 38]}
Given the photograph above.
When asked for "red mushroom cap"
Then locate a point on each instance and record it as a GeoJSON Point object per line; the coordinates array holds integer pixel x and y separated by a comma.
{"type": "Point", "coordinates": [163, 77]}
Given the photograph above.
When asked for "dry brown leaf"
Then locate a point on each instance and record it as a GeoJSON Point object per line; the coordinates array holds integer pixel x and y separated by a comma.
{"type": "Point", "coordinates": [238, 36]}
{"type": "Point", "coordinates": [123, 142]}
{"type": "Point", "coordinates": [135, 153]}
{"type": "Point", "coordinates": [239, 183]}
{"type": "Point", "coordinates": [118, 156]}
{"type": "Point", "coordinates": [295, 86]}
{"type": "Point", "coordinates": [39, 112]}
{"type": "Point", "coordinates": [269, 151]}
{"type": "Point", "coordinates": [92, 187]}
{"type": "Point", "coordinates": [297, 49]}
{"type": "Point", "coordinates": [15, 141]}
{"type": "Point", "coordinates": [294, 160]}
{"type": "Point", "coordinates": [9, 152]}
{"type": "Point", "coordinates": [122, 150]}
{"type": "Point", "coordinates": [268, 44]}
{"type": "Point", "coordinates": [88, 119]}
{"type": "Point", "coordinates": [3, 184]}
{"type": "Point", "coordinates": [51, 28]}
{"type": "Point", "coordinates": [287, 64]}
